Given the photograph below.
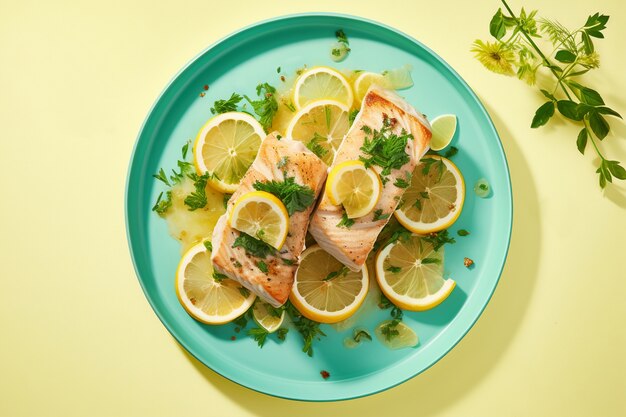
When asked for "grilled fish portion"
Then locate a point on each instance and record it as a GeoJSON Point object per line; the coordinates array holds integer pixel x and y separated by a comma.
{"type": "Point", "coordinates": [276, 160]}
{"type": "Point", "coordinates": [381, 111]}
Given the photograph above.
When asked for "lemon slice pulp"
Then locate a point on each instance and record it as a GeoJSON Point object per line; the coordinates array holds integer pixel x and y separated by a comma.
{"type": "Point", "coordinates": [321, 125]}
{"type": "Point", "coordinates": [209, 299]}
{"type": "Point", "coordinates": [325, 290]}
{"type": "Point", "coordinates": [435, 197]}
{"type": "Point", "coordinates": [356, 187]}
{"type": "Point", "coordinates": [261, 215]}
{"type": "Point", "coordinates": [226, 146]}
{"type": "Point", "coordinates": [410, 274]}
{"type": "Point", "coordinates": [264, 317]}
{"type": "Point", "coordinates": [322, 83]}
{"type": "Point", "coordinates": [365, 80]}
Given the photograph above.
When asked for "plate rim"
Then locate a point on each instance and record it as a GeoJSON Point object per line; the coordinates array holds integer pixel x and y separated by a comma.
{"type": "Point", "coordinates": [131, 246]}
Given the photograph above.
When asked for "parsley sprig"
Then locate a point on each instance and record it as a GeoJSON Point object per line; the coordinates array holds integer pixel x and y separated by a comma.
{"type": "Point", "coordinates": [309, 329]}
{"type": "Point", "coordinates": [294, 196]}
{"type": "Point", "coordinates": [389, 329]}
{"type": "Point", "coordinates": [573, 55]}
{"type": "Point", "coordinates": [253, 246]}
{"type": "Point", "coordinates": [385, 148]}
{"type": "Point", "coordinates": [224, 106]}
{"type": "Point", "coordinates": [267, 106]}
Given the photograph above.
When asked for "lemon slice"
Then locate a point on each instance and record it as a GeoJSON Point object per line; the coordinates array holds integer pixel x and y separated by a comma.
{"type": "Point", "coordinates": [262, 314]}
{"type": "Point", "coordinates": [207, 299]}
{"type": "Point", "coordinates": [261, 215]}
{"type": "Point", "coordinates": [410, 274]}
{"type": "Point", "coordinates": [443, 129]}
{"type": "Point", "coordinates": [226, 146]}
{"type": "Point", "coordinates": [322, 83]}
{"type": "Point", "coordinates": [356, 187]}
{"type": "Point", "coordinates": [365, 80]}
{"type": "Point", "coordinates": [434, 199]}
{"type": "Point", "coordinates": [406, 337]}
{"type": "Point", "coordinates": [322, 122]}
{"type": "Point", "coordinates": [325, 290]}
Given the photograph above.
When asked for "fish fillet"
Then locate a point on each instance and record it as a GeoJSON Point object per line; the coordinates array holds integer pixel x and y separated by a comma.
{"type": "Point", "coordinates": [352, 245]}
{"type": "Point", "coordinates": [307, 169]}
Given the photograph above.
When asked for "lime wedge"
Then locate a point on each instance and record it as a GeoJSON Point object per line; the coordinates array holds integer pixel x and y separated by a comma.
{"type": "Point", "coordinates": [443, 128]}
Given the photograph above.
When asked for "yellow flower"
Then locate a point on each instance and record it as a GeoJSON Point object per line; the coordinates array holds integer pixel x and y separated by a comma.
{"type": "Point", "coordinates": [590, 61]}
{"type": "Point", "coordinates": [496, 57]}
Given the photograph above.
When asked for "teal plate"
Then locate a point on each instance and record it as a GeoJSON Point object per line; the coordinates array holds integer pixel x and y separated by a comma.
{"type": "Point", "coordinates": [238, 63]}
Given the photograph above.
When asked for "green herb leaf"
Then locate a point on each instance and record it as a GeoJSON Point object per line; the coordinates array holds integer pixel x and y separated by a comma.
{"type": "Point", "coordinates": [462, 232]}
{"type": "Point", "coordinates": [598, 124]}
{"type": "Point", "coordinates": [253, 246]}
{"type": "Point", "coordinates": [208, 245]}
{"type": "Point", "coordinates": [451, 152]}
{"type": "Point", "coordinates": [496, 26]}
{"type": "Point", "coordinates": [224, 106]}
{"type": "Point", "coordinates": [569, 109]}
{"type": "Point", "coordinates": [361, 335]}
{"type": "Point", "coordinates": [581, 141]}
{"type": "Point", "coordinates": [565, 56]}
{"type": "Point", "coordinates": [352, 115]}
{"type": "Point", "coordinates": [616, 169]}
{"type": "Point", "coordinates": [543, 114]}
{"type": "Point", "coordinates": [162, 205]}
{"type": "Point", "coordinates": [378, 215]}
{"type": "Point", "coordinates": [394, 269]}
{"type": "Point", "coordinates": [294, 196]}
{"type": "Point", "coordinates": [341, 37]}
{"type": "Point", "coordinates": [162, 177]}
{"type": "Point", "coordinates": [315, 146]}
{"type": "Point", "coordinates": [259, 335]}
{"type": "Point", "coordinates": [281, 334]}
{"type": "Point", "coordinates": [267, 106]}
{"type": "Point", "coordinates": [431, 261]}
{"type": "Point", "coordinates": [384, 148]}
{"type": "Point", "coordinates": [244, 292]}
{"type": "Point", "coordinates": [309, 329]}
{"type": "Point", "coordinates": [606, 110]}
{"type": "Point", "coordinates": [219, 277]}
{"type": "Point", "coordinates": [345, 221]}
{"type": "Point", "coordinates": [548, 95]}
{"type": "Point", "coordinates": [341, 272]}
{"type": "Point", "coordinates": [439, 239]}
{"type": "Point", "coordinates": [404, 183]}
{"type": "Point", "coordinates": [262, 266]}
{"type": "Point", "coordinates": [197, 199]}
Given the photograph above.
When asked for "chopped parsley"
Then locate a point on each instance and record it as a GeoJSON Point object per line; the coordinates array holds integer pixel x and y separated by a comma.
{"type": "Point", "coordinates": [309, 329]}
{"type": "Point", "coordinates": [294, 196]}
{"type": "Point", "coordinates": [162, 205]}
{"type": "Point", "coordinates": [244, 292]}
{"type": "Point", "coordinates": [316, 147]}
{"type": "Point", "coordinates": [385, 148]}
{"type": "Point", "coordinates": [360, 335]}
{"type": "Point", "coordinates": [402, 182]}
{"type": "Point", "coordinates": [287, 261]}
{"type": "Point", "coordinates": [253, 246]}
{"type": "Point", "coordinates": [219, 277]}
{"type": "Point", "coordinates": [237, 264]}
{"type": "Point", "coordinates": [259, 335]}
{"type": "Point", "coordinates": [341, 272]}
{"type": "Point", "coordinates": [208, 245]}
{"type": "Point", "coordinates": [462, 232]}
{"type": "Point", "coordinates": [262, 266]}
{"type": "Point", "coordinates": [226, 199]}
{"type": "Point", "coordinates": [353, 114]}
{"type": "Point", "coordinates": [439, 239]}
{"type": "Point", "coordinates": [378, 215]}
{"type": "Point", "coordinates": [197, 199]}
{"type": "Point", "coordinates": [389, 329]}
{"type": "Point", "coordinates": [267, 106]}
{"type": "Point", "coordinates": [394, 269]}
{"type": "Point", "coordinates": [451, 152]}
{"type": "Point", "coordinates": [224, 106]}
{"type": "Point", "coordinates": [290, 106]}
{"type": "Point", "coordinates": [432, 162]}
{"type": "Point", "coordinates": [341, 37]}
{"type": "Point", "coordinates": [345, 221]}
{"type": "Point", "coordinates": [431, 261]}
{"type": "Point", "coordinates": [162, 177]}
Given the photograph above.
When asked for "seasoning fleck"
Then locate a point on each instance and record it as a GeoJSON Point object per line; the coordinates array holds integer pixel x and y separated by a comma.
{"type": "Point", "coordinates": [468, 262]}
{"type": "Point", "coordinates": [325, 374]}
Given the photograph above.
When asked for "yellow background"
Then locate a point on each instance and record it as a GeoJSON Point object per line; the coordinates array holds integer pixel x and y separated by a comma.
{"type": "Point", "coordinates": [78, 337]}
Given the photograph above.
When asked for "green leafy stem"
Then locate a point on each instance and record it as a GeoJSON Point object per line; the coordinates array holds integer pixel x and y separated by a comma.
{"type": "Point", "coordinates": [515, 52]}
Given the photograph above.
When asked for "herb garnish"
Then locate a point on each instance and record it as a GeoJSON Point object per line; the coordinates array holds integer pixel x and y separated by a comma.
{"type": "Point", "coordinates": [394, 269]}
{"type": "Point", "coordinates": [316, 147]}
{"type": "Point", "coordinates": [259, 335]}
{"type": "Point", "coordinates": [294, 196]}
{"type": "Point", "coordinates": [574, 55]}
{"type": "Point", "coordinates": [224, 106]}
{"type": "Point", "coordinates": [253, 246]}
{"type": "Point", "coordinates": [361, 334]}
{"type": "Point", "coordinates": [219, 277]}
{"type": "Point", "coordinates": [345, 221]}
{"type": "Point", "coordinates": [438, 239]}
{"type": "Point", "coordinates": [389, 329]}
{"type": "Point", "coordinates": [208, 245]}
{"type": "Point", "coordinates": [431, 261]}
{"type": "Point", "coordinates": [462, 232]}
{"type": "Point", "coordinates": [162, 177]}
{"type": "Point", "coordinates": [197, 199]}
{"type": "Point", "coordinates": [161, 206]}
{"type": "Point", "coordinates": [267, 106]}
{"type": "Point", "coordinates": [378, 215]}
{"type": "Point", "coordinates": [341, 272]}
{"type": "Point", "coordinates": [352, 115]}
{"type": "Point", "coordinates": [262, 266]}
{"type": "Point", "coordinates": [309, 329]}
{"type": "Point", "coordinates": [385, 149]}
{"type": "Point", "coordinates": [404, 183]}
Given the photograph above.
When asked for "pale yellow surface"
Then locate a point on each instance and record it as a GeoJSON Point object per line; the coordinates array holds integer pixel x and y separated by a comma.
{"type": "Point", "coordinates": [78, 337]}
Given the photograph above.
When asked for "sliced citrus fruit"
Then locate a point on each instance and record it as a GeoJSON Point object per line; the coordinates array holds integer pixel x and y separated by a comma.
{"type": "Point", "coordinates": [264, 315]}
{"type": "Point", "coordinates": [208, 297]}
{"type": "Point", "coordinates": [325, 290]}
{"type": "Point", "coordinates": [321, 125]}
{"type": "Point", "coordinates": [365, 80]}
{"type": "Point", "coordinates": [226, 146]}
{"type": "Point", "coordinates": [261, 215]}
{"type": "Point", "coordinates": [355, 187]}
{"type": "Point", "coordinates": [405, 336]}
{"type": "Point", "coordinates": [434, 199]}
{"type": "Point", "coordinates": [322, 83]}
{"type": "Point", "coordinates": [443, 128]}
{"type": "Point", "coordinates": [410, 274]}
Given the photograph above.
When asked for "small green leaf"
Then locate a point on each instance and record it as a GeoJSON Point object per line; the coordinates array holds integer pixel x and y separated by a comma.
{"type": "Point", "coordinates": [598, 124]}
{"type": "Point", "coordinates": [616, 169]}
{"type": "Point", "coordinates": [588, 44]}
{"type": "Point", "coordinates": [591, 97]}
{"type": "Point", "coordinates": [581, 142]}
{"type": "Point", "coordinates": [569, 109]}
{"type": "Point", "coordinates": [462, 232]}
{"type": "Point", "coordinates": [543, 114]}
{"type": "Point", "coordinates": [548, 95]}
{"type": "Point", "coordinates": [606, 110]}
{"type": "Point", "coordinates": [497, 27]}
{"type": "Point", "coordinates": [565, 56]}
